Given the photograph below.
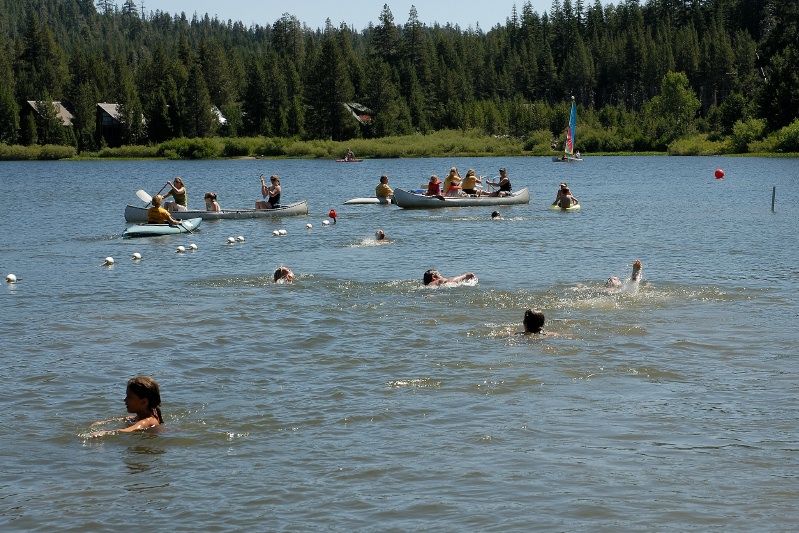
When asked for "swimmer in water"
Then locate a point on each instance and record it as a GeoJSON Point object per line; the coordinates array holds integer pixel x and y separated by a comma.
{"type": "Point", "coordinates": [615, 284]}
{"type": "Point", "coordinates": [142, 399]}
{"type": "Point", "coordinates": [434, 278]}
{"type": "Point", "coordinates": [283, 275]}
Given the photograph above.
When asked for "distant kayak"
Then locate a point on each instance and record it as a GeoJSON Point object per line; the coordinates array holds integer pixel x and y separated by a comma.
{"type": "Point", "coordinates": [154, 230]}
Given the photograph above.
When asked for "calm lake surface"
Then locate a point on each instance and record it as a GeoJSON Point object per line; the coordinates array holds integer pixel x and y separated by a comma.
{"type": "Point", "coordinates": [357, 399]}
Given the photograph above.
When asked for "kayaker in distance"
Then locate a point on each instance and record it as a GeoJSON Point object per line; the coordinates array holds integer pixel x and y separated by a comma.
{"type": "Point", "coordinates": [383, 190]}
{"type": "Point", "coordinates": [272, 192]}
{"type": "Point", "coordinates": [178, 193]}
{"type": "Point", "coordinates": [158, 215]}
{"type": "Point", "coordinates": [143, 399]}
{"type": "Point", "coordinates": [434, 277]}
{"type": "Point", "coordinates": [210, 202]}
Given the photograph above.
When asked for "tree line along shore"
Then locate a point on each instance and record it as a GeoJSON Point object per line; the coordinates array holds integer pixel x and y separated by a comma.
{"type": "Point", "coordinates": [679, 78]}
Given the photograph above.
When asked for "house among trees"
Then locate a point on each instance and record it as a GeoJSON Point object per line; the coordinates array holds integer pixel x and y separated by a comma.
{"type": "Point", "coordinates": [46, 124]}
{"type": "Point", "coordinates": [361, 113]}
{"type": "Point", "coordinates": [109, 124]}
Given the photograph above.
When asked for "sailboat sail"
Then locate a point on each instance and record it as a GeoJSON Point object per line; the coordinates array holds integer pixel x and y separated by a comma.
{"type": "Point", "coordinates": [570, 131]}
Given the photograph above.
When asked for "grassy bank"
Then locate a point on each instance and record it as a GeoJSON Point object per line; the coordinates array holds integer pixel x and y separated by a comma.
{"type": "Point", "coordinates": [448, 143]}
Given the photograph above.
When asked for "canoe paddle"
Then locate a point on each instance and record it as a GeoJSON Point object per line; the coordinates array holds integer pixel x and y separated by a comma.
{"type": "Point", "coordinates": [144, 197]}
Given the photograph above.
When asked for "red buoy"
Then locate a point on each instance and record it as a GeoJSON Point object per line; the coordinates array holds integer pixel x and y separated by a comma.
{"type": "Point", "coordinates": [719, 174]}
{"type": "Point", "coordinates": [332, 214]}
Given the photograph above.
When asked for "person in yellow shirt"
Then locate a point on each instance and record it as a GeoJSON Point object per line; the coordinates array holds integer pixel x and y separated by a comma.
{"type": "Point", "coordinates": [452, 183]}
{"type": "Point", "coordinates": [383, 190]}
{"type": "Point", "coordinates": [158, 215]}
{"type": "Point", "coordinates": [469, 183]}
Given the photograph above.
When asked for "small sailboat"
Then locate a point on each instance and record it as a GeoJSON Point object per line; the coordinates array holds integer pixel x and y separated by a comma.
{"type": "Point", "coordinates": [568, 152]}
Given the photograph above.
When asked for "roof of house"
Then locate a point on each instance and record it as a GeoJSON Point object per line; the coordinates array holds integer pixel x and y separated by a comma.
{"type": "Point", "coordinates": [61, 111]}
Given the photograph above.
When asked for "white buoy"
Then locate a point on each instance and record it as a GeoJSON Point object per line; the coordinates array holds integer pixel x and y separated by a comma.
{"type": "Point", "coordinates": [325, 222]}
{"type": "Point", "coordinates": [192, 246]}
{"type": "Point", "coordinates": [240, 238]}
{"type": "Point", "coordinates": [11, 278]}
{"type": "Point", "coordinates": [309, 226]}
{"type": "Point", "coordinates": [108, 261]}
{"type": "Point", "coordinates": [136, 256]}
{"type": "Point", "coordinates": [283, 232]}
{"type": "Point", "coordinates": [231, 240]}
{"type": "Point", "coordinates": [276, 233]}
{"type": "Point", "coordinates": [180, 249]}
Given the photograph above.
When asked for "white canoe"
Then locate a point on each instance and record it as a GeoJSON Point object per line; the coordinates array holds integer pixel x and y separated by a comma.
{"type": "Point", "coordinates": [139, 214]}
{"type": "Point", "coordinates": [410, 200]}
{"type": "Point", "coordinates": [369, 200]}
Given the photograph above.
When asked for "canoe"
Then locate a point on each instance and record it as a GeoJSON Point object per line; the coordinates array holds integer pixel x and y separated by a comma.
{"type": "Point", "coordinates": [410, 200]}
{"type": "Point", "coordinates": [575, 207]}
{"type": "Point", "coordinates": [139, 214]}
{"type": "Point", "coordinates": [154, 230]}
{"type": "Point", "coordinates": [370, 200]}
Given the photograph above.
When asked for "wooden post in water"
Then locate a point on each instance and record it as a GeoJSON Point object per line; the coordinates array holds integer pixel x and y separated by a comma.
{"type": "Point", "coordinates": [773, 194]}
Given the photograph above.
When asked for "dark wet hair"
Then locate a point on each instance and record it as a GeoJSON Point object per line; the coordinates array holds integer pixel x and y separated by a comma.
{"type": "Point", "coordinates": [533, 321]}
{"type": "Point", "coordinates": [210, 195]}
{"type": "Point", "coordinates": [281, 272]}
{"type": "Point", "coordinates": [495, 214]}
{"type": "Point", "coordinates": [147, 388]}
{"type": "Point", "coordinates": [429, 275]}
{"type": "Point", "coordinates": [383, 177]}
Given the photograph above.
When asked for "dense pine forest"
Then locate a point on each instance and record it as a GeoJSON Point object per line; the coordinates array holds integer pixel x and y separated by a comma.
{"type": "Point", "coordinates": [683, 75]}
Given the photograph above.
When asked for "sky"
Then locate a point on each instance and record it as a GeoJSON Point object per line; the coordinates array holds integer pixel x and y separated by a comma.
{"type": "Point", "coordinates": [356, 13]}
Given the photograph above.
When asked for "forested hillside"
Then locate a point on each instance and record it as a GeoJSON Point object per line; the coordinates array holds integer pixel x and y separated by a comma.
{"type": "Point", "coordinates": [643, 74]}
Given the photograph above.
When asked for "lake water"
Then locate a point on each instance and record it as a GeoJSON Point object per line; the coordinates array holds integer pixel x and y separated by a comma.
{"type": "Point", "coordinates": [356, 399]}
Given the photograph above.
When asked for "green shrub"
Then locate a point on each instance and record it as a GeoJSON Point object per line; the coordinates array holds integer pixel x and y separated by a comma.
{"type": "Point", "coordinates": [744, 133]}
{"type": "Point", "coordinates": [183, 148]}
{"type": "Point", "coordinates": [788, 138]}
{"type": "Point", "coordinates": [129, 152]}
{"type": "Point", "coordinates": [697, 145]}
